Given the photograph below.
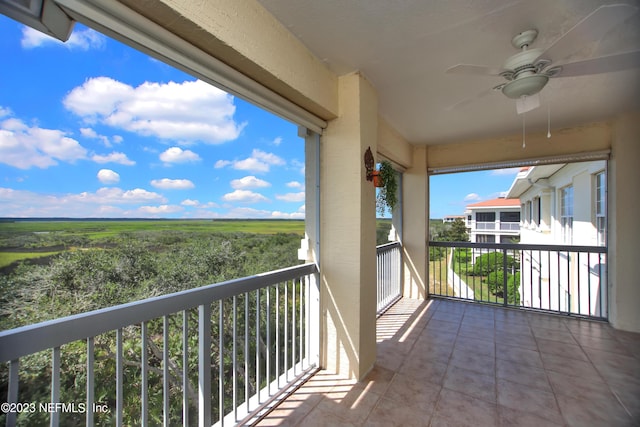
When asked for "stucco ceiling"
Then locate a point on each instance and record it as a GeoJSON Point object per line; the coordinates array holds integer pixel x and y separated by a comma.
{"type": "Point", "coordinates": [404, 47]}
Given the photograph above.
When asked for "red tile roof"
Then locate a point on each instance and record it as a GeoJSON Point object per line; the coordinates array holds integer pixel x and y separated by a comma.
{"type": "Point", "coordinates": [496, 203]}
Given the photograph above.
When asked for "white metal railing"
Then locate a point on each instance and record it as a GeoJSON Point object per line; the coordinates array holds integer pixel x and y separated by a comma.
{"type": "Point", "coordinates": [564, 279]}
{"type": "Point", "coordinates": [246, 338]}
{"type": "Point", "coordinates": [389, 266]}
{"type": "Point", "coordinates": [485, 225]}
{"type": "Point", "coordinates": [510, 226]}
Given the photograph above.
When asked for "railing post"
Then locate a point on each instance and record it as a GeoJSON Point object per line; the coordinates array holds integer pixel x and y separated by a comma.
{"type": "Point", "coordinates": [505, 291]}
{"type": "Point", "coordinates": [204, 365]}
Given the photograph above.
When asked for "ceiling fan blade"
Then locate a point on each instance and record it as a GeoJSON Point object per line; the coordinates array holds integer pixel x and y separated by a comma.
{"type": "Point", "coordinates": [603, 64]}
{"type": "Point", "coordinates": [479, 70]}
{"type": "Point", "coordinates": [592, 28]}
{"type": "Point", "coordinates": [462, 103]}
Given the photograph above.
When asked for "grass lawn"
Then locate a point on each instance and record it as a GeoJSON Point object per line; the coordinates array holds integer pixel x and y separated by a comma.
{"type": "Point", "coordinates": [8, 258]}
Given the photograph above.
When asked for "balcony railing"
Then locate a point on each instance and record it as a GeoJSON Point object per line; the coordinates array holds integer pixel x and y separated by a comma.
{"type": "Point", "coordinates": [570, 280]}
{"type": "Point", "coordinates": [485, 225]}
{"type": "Point", "coordinates": [246, 339]}
{"type": "Point", "coordinates": [389, 265]}
{"type": "Point", "coordinates": [510, 226]}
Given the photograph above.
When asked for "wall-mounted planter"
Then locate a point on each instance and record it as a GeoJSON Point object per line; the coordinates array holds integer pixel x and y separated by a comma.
{"type": "Point", "coordinates": [377, 179]}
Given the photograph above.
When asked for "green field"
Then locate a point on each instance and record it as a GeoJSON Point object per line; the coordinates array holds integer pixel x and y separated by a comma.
{"type": "Point", "coordinates": [31, 239]}
{"type": "Point", "coordinates": [101, 228]}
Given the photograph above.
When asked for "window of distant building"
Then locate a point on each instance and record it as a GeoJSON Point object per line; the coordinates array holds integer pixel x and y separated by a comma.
{"type": "Point", "coordinates": [536, 212]}
{"type": "Point", "coordinates": [566, 213]}
{"type": "Point", "coordinates": [509, 216]}
{"type": "Point", "coordinates": [485, 238]}
{"type": "Point", "coordinates": [601, 207]}
{"type": "Point", "coordinates": [486, 216]}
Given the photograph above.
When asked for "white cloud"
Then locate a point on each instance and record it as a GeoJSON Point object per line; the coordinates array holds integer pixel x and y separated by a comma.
{"type": "Point", "coordinates": [107, 176]}
{"type": "Point", "coordinates": [92, 134]}
{"type": "Point", "coordinates": [299, 214]}
{"type": "Point", "coordinates": [222, 163]}
{"type": "Point", "coordinates": [259, 161]}
{"type": "Point", "coordinates": [24, 147]}
{"type": "Point", "coordinates": [104, 202]}
{"type": "Point", "coordinates": [284, 215]}
{"type": "Point", "coordinates": [472, 197]}
{"type": "Point", "coordinates": [82, 39]}
{"type": "Point", "coordinates": [291, 197]}
{"type": "Point", "coordinates": [249, 182]}
{"type": "Point", "coordinates": [178, 155]}
{"type": "Point", "coordinates": [191, 111]}
{"type": "Point", "coordinates": [244, 196]}
{"type": "Point", "coordinates": [160, 210]}
{"type": "Point", "coordinates": [118, 196]}
{"type": "Point", "coordinates": [197, 204]}
{"type": "Point", "coordinates": [277, 141]}
{"type": "Point", "coordinates": [295, 184]}
{"type": "Point", "coordinates": [114, 157]}
{"type": "Point", "coordinates": [4, 112]}
{"type": "Point", "coordinates": [172, 184]}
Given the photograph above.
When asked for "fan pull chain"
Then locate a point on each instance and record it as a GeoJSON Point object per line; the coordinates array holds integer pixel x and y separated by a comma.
{"type": "Point", "coordinates": [548, 120]}
{"type": "Point", "coordinates": [524, 144]}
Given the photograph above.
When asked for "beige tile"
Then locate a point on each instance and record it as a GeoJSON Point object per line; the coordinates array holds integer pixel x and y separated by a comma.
{"type": "Point", "coordinates": [524, 340]}
{"type": "Point", "coordinates": [483, 365]}
{"type": "Point", "coordinates": [457, 409]}
{"type": "Point", "coordinates": [351, 404]}
{"type": "Point", "coordinates": [389, 413]}
{"type": "Point", "coordinates": [411, 392]}
{"type": "Point", "coordinates": [560, 348]}
{"type": "Point", "coordinates": [531, 400]}
{"type": "Point", "coordinates": [510, 417]}
{"type": "Point", "coordinates": [378, 379]}
{"type": "Point", "coordinates": [594, 411]}
{"type": "Point", "coordinates": [478, 346]}
{"type": "Point", "coordinates": [563, 336]}
{"type": "Point", "coordinates": [457, 371]}
{"type": "Point", "coordinates": [565, 365]}
{"type": "Point", "coordinates": [471, 383]}
{"type": "Point", "coordinates": [523, 375]}
{"type": "Point", "coordinates": [423, 369]}
{"type": "Point", "coordinates": [474, 331]}
{"type": "Point", "coordinates": [524, 356]}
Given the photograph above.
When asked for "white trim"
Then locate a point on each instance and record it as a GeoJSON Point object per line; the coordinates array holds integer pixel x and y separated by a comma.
{"type": "Point", "coordinates": [127, 26]}
{"type": "Point", "coordinates": [566, 158]}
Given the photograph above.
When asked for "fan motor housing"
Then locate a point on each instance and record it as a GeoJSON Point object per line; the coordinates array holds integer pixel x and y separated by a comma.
{"type": "Point", "coordinates": [525, 86]}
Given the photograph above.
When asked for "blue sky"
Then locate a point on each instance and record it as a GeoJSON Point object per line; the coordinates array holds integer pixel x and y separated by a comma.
{"type": "Point", "coordinates": [93, 128]}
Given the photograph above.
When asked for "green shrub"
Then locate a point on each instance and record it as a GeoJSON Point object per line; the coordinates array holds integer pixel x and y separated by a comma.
{"type": "Point", "coordinates": [492, 261]}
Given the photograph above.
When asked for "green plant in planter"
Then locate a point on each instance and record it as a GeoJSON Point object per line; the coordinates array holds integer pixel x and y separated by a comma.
{"type": "Point", "coordinates": [388, 194]}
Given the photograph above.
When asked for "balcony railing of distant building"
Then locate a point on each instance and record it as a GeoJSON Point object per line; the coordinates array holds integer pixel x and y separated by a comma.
{"type": "Point", "coordinates": [569, 280]}
{"type": "Point", "coordinates": [389, 266]}
{"type": "Point", "coordinates": [495, 225]}
{"type": "Point", "coordinates": [212, 355]}
{"type": "Point", "coordinates": [485, 225]}
{"type": "Point", "coordinates": [510, 226]}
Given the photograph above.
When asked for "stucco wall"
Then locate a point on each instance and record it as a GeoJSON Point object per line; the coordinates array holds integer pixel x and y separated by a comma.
{"type": "Point", "coordinates": [624, 226]}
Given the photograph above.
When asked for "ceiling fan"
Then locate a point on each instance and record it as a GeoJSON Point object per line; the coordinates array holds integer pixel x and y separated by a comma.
{"type": "Point", "coordinates": [528, 71]}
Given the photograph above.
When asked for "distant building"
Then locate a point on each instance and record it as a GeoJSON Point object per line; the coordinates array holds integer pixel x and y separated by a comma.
{"type": "Point", "coordinates": [494, 221]}
{"type": "Point", "coordinates": [452, 218]}
{"type": "Point", "coordinates": [563, 204]}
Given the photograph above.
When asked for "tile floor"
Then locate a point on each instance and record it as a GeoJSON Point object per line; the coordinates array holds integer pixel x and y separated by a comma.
{"type": "Point", "coordinates": [447, 363]}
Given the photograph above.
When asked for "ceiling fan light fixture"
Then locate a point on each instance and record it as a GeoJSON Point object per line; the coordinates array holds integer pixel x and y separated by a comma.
{"type": "Point", "coordinates": [525, 86]}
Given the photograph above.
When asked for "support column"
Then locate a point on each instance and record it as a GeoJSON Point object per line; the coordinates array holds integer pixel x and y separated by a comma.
{"type": "Point", "coordinates": [348, 233]}
{"type": "Point", "coordinates": [624, 228]}
{"type": "Point", "coordinates": [415, 227]}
